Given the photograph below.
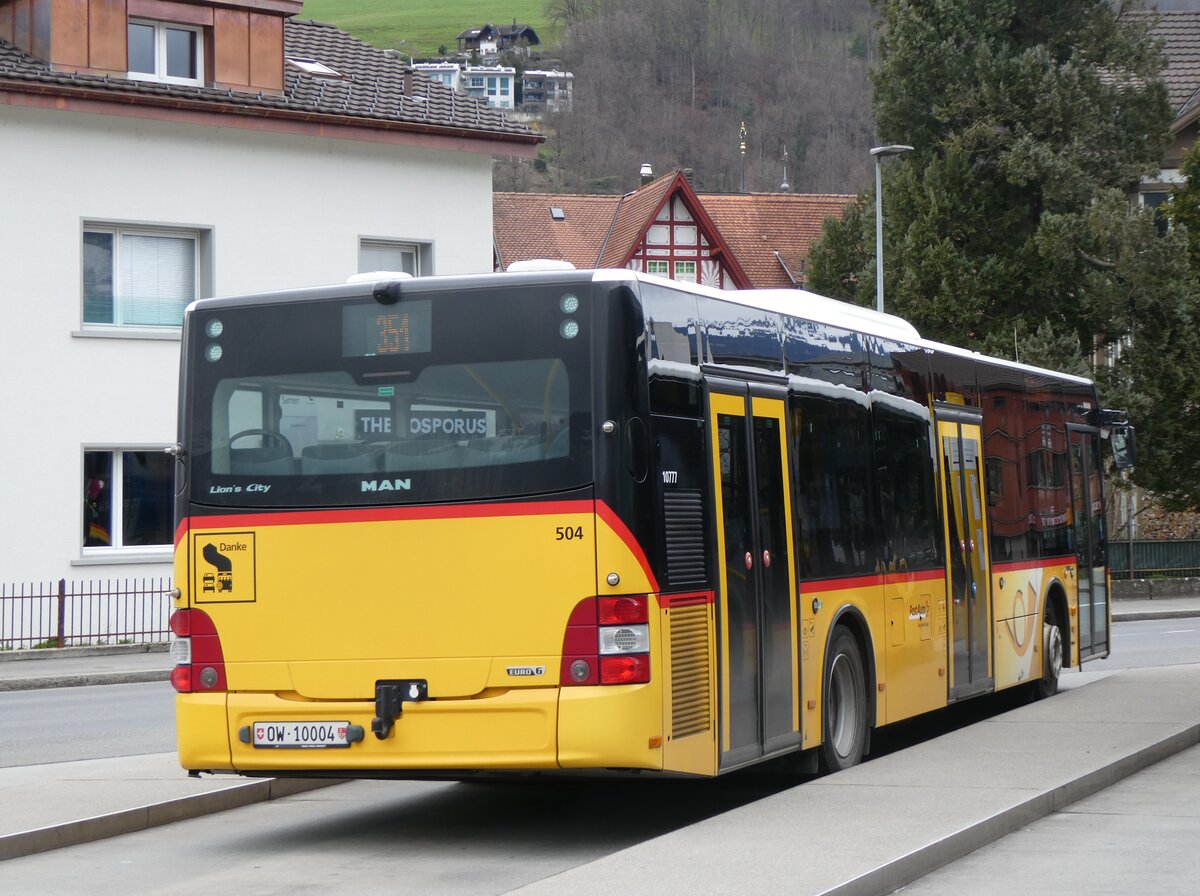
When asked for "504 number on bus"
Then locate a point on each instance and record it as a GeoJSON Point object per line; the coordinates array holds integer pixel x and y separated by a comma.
{"type": "Point", "coordinates": [568, 533]}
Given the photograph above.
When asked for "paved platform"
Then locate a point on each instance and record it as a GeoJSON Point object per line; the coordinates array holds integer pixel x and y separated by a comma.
{"type": "Point", "coordinates": [874, 828]}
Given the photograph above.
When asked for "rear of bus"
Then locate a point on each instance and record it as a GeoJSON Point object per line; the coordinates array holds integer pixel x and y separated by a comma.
{"type": "Point", "coordinates": [392, 557]}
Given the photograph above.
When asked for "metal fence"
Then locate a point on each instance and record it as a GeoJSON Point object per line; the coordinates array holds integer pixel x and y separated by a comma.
{"type": "Point", "coordinates": [1154, 559]}
{"type": "Point", "coordinates": [74, 614]}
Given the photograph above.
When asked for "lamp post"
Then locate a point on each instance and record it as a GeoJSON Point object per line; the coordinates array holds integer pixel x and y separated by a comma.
{"type": "Point", "coordinates": [879, 152]}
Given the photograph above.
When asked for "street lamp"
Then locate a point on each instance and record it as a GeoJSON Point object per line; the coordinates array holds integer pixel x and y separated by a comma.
{"type": "Point", "coordinates": [879, 152]}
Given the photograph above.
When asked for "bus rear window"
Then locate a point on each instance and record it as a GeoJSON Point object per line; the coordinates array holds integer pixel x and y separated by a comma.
{"type": "Point", "coordinates": [469, 398]}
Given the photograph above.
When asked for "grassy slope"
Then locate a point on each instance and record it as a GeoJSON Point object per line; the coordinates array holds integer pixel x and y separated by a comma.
{"type": "Point", "coordinates": [418, 27]}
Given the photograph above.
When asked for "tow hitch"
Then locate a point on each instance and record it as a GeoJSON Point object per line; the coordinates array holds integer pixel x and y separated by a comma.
{"type": "Point", "coordinates": [390, 697]}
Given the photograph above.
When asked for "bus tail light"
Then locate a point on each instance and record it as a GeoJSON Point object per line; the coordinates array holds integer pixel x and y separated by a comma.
{"type": "Point", "coordinates": [196, 649]}
{"type": "Point", "coordinates": [607, 642]}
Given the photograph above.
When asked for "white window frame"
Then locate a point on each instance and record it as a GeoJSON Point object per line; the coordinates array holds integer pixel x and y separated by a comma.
{"type": "Point", "coordinates": [420, 252]}
{"type": "Point", "coordinates": [661, 263]}
{"type": "Point", "coordinates": [682, 273]}
{"type": "Point", "coordinates": [116, 551]}
{"type": "Point", "coordinates": [160, 53]}
{"type": "Point", "coordinates": [117, 231]}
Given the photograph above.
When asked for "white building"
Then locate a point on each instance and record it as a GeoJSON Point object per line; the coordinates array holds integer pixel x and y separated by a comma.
{"type": "Point", "coordinates": [493, 84]}
{"type": "Point", "coordinates": [447, 73]}
{"type": "Point", "coordinates": [546, 90]}
{"type": "Point", "coordinates": [175, 150]}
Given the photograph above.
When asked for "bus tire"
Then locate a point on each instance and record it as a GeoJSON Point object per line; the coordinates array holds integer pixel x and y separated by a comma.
{"type": "Point", "coordinates": [1052, 656]}
{"type": "Point", "coordinates": [844, 716]}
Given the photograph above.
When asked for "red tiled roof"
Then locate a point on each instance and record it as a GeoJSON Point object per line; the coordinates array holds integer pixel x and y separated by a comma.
{"type": "Point", "coordinates": [771, 233]}
{"type": "Point", "coordinates": [524, 229]}
{"type": "Point", "coordinates": [767, 235]}
{"type": "Point", "coordinates": [634, 216]}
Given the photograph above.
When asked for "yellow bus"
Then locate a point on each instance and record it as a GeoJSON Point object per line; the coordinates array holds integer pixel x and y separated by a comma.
{"type": "Point", "coordinates": [598, 520]}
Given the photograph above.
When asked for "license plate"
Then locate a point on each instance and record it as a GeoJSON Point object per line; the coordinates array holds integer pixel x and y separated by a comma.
{"type": "Point", "coordinates": [299, 735]}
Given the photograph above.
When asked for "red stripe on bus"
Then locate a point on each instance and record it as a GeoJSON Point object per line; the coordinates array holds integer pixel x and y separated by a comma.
{"type": "Point", "coordinates": [692, 599]}
{"type": "Point", "coordinates": [840, 584]}
{"type": "Point", "coordinates": [436, 512]}
{"type": "Point", "coordinates": [920, 575]}
{"type": "Point", "coordinates": [382, 514]}
{"type": "Point", "coordinates": [617, 525]}
{"type": "Point", "coordinates": [1017, 565]}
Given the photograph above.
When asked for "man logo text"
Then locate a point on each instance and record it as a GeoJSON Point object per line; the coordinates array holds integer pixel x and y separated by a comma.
{"type": "Point", "coordinates": [386, 485]}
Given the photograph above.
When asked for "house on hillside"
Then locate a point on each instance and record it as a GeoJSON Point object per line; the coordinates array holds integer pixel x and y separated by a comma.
{"type": "Point", "coordinates": [490, 39]}
{"type": "Point", "coordinates": [728, 241]}
{"type": "Point", "coordinates": [496, 85]}
{"type": "Point", "coordinates": [491, 84]}
{"type": "Point", "coordinates": [160, 152]}
{"type": "Point", "coordinates": [546, 90]}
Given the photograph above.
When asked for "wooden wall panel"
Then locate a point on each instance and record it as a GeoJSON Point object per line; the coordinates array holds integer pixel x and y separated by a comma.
{"type": "Point", "coordinates": [6, 20]}
{"type": "Point", "coordinates": [22, 22]}
{"type": "Point", "coordinates": [166, 11]}
{"type": "Point", "coordinates": [40, 43]}
{"type": "Point", "coordinates": [69, 42]}
{"type": "Point", "coordinates": [266, 52]}
{"type": "Point", "coordinates": [231, 48]}
{"type": "Point", "coordinates": [107, 36]}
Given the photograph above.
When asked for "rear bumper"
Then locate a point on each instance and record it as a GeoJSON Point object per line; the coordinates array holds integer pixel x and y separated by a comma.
{"type": "Point", "coordinates": [518, 729]}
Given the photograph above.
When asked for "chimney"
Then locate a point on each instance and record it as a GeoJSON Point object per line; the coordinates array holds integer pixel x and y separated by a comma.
{"type": "Point", "coordinates": [646, 173]}
{"type": "Point", "coordinates": [689, 174]}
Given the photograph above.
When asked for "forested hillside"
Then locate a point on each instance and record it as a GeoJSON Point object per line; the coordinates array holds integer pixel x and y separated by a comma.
{"type": "Point", "coordinates": [670, 83]}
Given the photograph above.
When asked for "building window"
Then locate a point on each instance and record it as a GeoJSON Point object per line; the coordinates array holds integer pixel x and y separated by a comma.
{"type": "Point", "coordinates": [1159, 203]}
{"type": "Point", "coordinates": [658, 267]}
{"type": "Point", "coordinates": [685, 270]}
{"type": "Point", "coordinates": [138, 277]}
{"type": "Point", "coordinates": [159, 51]}
{"type": "Point", "coordinates": [127, 498]}
{"type": "Point", "coordinates": [384, 255]}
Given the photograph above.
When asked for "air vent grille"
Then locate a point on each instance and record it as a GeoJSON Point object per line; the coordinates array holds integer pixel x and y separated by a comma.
{"type": "Point", "coordinates": [691, 711]}
{"type": "Point", "coordinates": [683, 513]}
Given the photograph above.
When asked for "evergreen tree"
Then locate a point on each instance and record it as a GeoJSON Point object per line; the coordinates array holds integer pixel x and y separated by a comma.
{"type": "Point", "coordinates": [1008, 229]}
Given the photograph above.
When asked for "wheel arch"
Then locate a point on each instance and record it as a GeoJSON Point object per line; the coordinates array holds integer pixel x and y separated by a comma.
{"type": "Point", "coordinates": [852, 619]}
{"type": "Point", "coordinates": [1056, 596]}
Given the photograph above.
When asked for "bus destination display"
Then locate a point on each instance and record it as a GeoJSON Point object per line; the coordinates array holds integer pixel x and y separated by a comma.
{"type": "Point", "coordinates": [372, 330]}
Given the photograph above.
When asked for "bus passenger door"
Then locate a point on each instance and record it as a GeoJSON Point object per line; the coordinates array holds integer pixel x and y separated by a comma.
{"type": "Point", "coordinates": [967, 561]}
{"type": "Point", "coordinates": [1087, 531]}
{"type": "Point", "coordinates": [758, 647]}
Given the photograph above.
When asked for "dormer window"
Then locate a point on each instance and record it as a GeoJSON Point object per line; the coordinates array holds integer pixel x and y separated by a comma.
{"type": "Point", "coordinates": [168, 52]}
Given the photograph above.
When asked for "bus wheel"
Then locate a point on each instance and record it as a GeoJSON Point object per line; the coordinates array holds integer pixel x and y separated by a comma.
{"type": "Point", "coordinates": [1052, 656]}
{"type": "Point", "coordinates": [845, 711]}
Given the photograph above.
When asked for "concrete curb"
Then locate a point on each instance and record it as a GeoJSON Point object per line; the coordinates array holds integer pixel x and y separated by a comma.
{"type": "Point", "coordinates": [1141, 616]}
{"type": "Point", "coordinates": [77, 681]}
{"type": "Point", "coordinates": [129, 821]}
{"type": "Point", "coordinates": [906, 869]}
{"type": "Point", "coordinates": [58, 653]}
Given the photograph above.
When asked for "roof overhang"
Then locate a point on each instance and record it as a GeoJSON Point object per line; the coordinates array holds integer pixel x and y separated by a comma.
{"type": "Point", "coordinates": [289, 121]}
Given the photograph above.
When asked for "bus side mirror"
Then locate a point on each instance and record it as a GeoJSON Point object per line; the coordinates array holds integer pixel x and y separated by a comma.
{"type": "Point", "coordinates": [1123, 439]}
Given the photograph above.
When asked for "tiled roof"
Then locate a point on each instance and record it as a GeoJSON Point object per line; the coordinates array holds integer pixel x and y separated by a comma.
{"type": "Point", "coordinates": [771, 233]}
{"type": "Point", "coordinates": [524, 227]}
{"type": "Point", "coordinates": [376, 89]}
{"type": "Point", "coordinates": [768, 234]}
{"type": "Point", "coordinates": [634, 214]}
{"type": "Point", "coordinates": [1180, 36]}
